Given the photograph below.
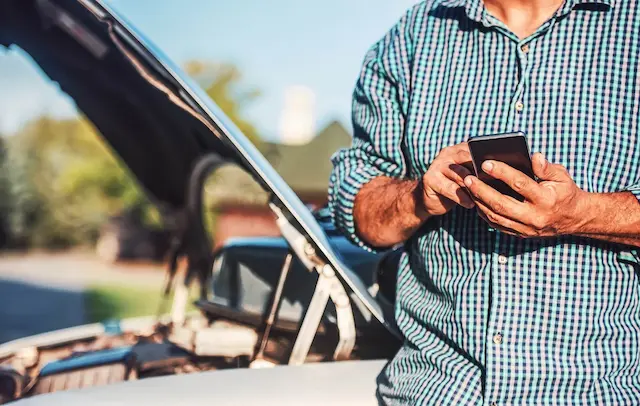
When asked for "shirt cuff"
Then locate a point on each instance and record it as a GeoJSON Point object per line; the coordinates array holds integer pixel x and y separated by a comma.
{"type": "Point", "coordinates": [635, 189]}
{"type": "Point", "coordinates": [634, 254]}
{"type": "Point", "coordinates": [342, 196]}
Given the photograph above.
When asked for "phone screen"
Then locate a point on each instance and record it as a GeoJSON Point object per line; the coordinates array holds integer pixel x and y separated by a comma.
{"type": "Point", "coordinates": [510, 148]}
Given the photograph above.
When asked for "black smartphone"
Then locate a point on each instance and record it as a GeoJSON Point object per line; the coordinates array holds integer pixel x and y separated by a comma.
{"type": "Point", "coordinates": [510, 148]}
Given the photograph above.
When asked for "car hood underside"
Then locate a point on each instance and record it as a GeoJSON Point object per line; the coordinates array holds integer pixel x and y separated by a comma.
{"type": "Point", "coordinates": [135, 110]}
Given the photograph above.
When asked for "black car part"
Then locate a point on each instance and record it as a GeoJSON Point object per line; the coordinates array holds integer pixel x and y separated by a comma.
{"type": "Point", "coordinates": [11, 384]}
{"type": "Point", "coordinates": [96, 368]}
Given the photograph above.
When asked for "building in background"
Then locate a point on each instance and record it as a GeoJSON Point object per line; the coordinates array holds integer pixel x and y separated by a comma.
{"type": "Point", "coordinates": [241, 205]}
{"type": "Point", "coordinates": [297, 120]}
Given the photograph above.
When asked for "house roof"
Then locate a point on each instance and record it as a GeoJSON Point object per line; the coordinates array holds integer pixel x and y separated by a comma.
{"type": "Point", "coordinates": [306, 169]}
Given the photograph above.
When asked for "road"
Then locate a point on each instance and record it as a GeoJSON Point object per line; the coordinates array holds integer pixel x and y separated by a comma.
{"type": "Point", "coordinates": [44, 292]}
{"type": "Point", "coordinates": [28, 308]}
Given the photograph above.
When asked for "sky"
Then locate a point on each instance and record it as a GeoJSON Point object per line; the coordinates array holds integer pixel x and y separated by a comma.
{"type": "Point", "coordinates": [276, 44]}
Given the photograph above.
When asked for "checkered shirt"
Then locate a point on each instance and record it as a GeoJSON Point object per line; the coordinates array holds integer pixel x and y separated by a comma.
{"type": "Point", "coordinates": [490, 319]}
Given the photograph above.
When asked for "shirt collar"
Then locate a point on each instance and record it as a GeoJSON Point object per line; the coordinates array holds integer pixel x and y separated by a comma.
{"type": "Point", "coordinates": [475, 8]}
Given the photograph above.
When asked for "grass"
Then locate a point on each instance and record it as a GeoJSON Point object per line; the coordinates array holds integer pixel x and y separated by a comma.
{"type": "Point", "coordinates": [109, 302]}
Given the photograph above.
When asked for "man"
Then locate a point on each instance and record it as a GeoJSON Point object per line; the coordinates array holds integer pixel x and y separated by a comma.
{"type": "Point", "coordinates": [502, 302]}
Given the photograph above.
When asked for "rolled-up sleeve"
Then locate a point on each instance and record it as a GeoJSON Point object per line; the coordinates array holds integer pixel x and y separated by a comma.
{"type": "Point", "coordinates": [380, 102]}
{"type": "Point", "coordinates": [635, 189]}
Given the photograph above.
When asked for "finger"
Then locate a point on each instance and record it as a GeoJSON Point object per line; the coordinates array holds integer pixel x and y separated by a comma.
{"type": "Point", "coordinates": [457, 154]}
{"type": "Point", "coordinates": [496, 226]}
{"type": "Point", "coordinates": [517, 180]}
{"type": "Point", "coordinates": [462, 154]}
{"type": "Point", "coordinates": [545, 170]}
{"type": "Point", "coordinates": [457, 173]}
{"type": "Point", "coordinates": [452, 191]}
{"type": "Point", "coordinates": [496, 201]}
{"type": "Point", "coordinates": [502, 223]}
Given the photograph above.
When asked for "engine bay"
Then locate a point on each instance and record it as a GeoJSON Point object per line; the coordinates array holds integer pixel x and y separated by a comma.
{"type": "Point", "coordinates": [204, 342]}
{"type": "Point", "coordinates": [154, 350]}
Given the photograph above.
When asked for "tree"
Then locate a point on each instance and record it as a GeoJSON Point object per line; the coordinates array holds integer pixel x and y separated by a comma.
{"type": "Point", "coordinates": [5, 195]}
{"type": "Point", "coordinates": [65, 182]}
{"type": "Point", "coordinates": [223, 84]}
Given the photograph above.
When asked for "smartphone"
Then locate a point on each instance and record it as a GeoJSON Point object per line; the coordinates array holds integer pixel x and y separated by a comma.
{"type": "Point", "coordinates": [510, 148]}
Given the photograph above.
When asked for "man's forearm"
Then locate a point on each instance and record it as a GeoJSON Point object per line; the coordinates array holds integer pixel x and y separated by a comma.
{"type": "Point", "coordinates": [613, 217]}
{"type": "Point", "coordinates": [388, 211]}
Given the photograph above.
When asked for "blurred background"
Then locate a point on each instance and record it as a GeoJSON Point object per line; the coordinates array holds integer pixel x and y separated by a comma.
{"type": "Point", "coordinates": [79, 240]}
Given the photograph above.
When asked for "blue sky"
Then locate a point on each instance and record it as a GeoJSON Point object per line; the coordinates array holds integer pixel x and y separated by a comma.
{"type": "Point", "coordinates": [275, 43]}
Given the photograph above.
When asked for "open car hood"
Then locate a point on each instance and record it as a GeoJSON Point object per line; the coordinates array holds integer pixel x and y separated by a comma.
{"type": "Point", "coordinates": [149, 111]}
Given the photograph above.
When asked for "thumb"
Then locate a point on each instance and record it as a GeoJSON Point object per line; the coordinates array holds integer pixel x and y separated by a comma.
{"type": "Point", "coordinates": [547, 171]}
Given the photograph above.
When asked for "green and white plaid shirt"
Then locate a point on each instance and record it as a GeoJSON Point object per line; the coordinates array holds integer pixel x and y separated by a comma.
{"type": "Point", "coordinates": [489, 318]}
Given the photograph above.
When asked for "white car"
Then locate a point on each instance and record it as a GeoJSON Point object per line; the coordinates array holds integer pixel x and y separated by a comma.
{"type": "Point", "coordinates": [304, 319]}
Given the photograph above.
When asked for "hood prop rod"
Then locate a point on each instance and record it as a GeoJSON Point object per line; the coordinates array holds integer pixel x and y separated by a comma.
{"type": "Point", "coordinates": [274, 308]}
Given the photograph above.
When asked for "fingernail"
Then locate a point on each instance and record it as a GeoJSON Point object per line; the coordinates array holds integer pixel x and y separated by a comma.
{"type": "Point", "coordinates": [469, 204]}
{"type": "Point", "coordinates": [487, 166]}
{"type": "Point", "coordinates": [542, 159]}
{"type": "Point", "coordinates": [468, 181]}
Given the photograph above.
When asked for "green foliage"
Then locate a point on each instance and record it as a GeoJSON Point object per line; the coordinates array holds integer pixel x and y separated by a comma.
{"type": "Point", "coordinates": [114, 302]}
{"type": "Point", "coordinates": [66, 184]}
{"type": "Point", "coordinates": [222, 83]}
{"type": "Point", "coordinates": [60, 182]}
{"type": "Point", "coordinates": [5, 195]}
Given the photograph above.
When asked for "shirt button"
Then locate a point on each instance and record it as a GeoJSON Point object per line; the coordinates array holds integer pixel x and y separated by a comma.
{"type": "Point", "coordinates": [502, 260]}
{"type": "Point", "coordinates": [494, 404]}
{"type": "Point", "coordinates": [497, 339]}
{"type": "Point", "coordinates": [525, 48]}
{"type": "Point", "coordinates": [519, 106]}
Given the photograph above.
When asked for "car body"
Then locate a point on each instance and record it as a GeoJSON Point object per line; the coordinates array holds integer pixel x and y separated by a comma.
{"type": "Point", "coordinates": [308, 298]}
{"type": "Point", "coordinates": [126, 237]}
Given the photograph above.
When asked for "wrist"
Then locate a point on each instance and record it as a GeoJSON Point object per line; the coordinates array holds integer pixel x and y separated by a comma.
{"type": "Point", "coordinates": [585, 214]}
{"type": "Point", "coordinates": [420, 209]}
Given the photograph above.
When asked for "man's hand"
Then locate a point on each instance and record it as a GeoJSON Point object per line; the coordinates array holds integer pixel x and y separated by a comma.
{"type": "Point", "coordinates": [443, 183]}
{"type": "Point", "coordinates": [553, 207]}
{"type": "Point", "coordinates": [387, 211]}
